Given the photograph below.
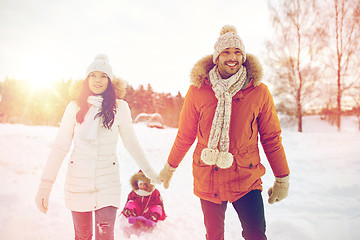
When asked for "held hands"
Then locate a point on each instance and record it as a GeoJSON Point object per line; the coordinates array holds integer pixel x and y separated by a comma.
{"type": "Point", "coordinates": [153, 176]}
{"type": "Point", "coordinates": [42, 196]}
{"type": "Point", "coordinates": [280, 190]}
{"type": "Point", "coordinates": [165, 174]}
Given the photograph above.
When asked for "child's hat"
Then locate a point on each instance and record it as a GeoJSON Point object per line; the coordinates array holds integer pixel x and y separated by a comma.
{"type": "Point", "coordinates": [140, 177]}
{"type": "Point", "coordinates": [101, 64]}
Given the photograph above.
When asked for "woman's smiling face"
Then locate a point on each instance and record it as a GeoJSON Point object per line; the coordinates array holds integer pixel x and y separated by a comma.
{"type": "Point", "coordinates": [98, 82]}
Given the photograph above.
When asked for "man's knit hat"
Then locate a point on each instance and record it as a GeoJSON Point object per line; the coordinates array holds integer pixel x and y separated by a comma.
{"type": "Point", "coordinates": [101, 64]}
{"type": "Point", "coordinates": [228, 39]}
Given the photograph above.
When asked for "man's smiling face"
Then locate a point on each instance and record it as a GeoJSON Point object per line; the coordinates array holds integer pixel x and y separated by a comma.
{"type": "Point", "coordinates": [229, 62]}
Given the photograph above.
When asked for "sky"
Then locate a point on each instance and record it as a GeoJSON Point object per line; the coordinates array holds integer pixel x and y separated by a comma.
{"type": "Point", "coordinates": [153, 42]}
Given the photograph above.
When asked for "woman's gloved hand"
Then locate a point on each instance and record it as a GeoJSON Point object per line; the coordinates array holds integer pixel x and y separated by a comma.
{"type": "Point", "coordinates": [43, 194]}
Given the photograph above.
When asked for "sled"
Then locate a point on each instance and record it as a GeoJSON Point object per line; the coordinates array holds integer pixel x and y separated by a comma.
{"type": "Point", "coordinates": [134, 226]}
{"type": "Point", "coordinates": [140, 220]}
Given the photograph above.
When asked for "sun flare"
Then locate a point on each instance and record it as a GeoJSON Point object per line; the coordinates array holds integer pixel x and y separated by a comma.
{"type": "Point", "coordinates": [39, 72]}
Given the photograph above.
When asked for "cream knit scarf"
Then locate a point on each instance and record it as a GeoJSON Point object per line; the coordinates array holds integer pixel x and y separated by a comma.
{"type": "Point", "coordinates": [88, 130]}
{"type": "Point", "coordinates": [217, 151]}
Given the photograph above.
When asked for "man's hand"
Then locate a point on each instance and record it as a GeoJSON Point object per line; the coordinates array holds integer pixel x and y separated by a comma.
{"type": "Point", "coordinates": [280, 190]}
{"type": "Point", "coordinates": [166, 174]}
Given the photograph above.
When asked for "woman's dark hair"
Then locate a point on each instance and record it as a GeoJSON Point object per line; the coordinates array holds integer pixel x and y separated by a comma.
{"type": "Point", "coordinates": [108, 109]}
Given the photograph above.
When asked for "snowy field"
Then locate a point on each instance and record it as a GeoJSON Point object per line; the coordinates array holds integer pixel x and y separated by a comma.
{"type": "Point", "coordinates": [323, 202]}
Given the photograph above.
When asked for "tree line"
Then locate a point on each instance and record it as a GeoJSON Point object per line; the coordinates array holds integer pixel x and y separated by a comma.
{"type": "Point", "coordinates": [20, 103]}
{"type": "Point", "coordinates": [313, 60]}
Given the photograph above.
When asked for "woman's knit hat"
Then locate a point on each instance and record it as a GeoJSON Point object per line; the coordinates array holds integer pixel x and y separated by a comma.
{"type": "Point", "coordinates": [101, 64]}
{"type": "Point", "coordinates": [228, 39]}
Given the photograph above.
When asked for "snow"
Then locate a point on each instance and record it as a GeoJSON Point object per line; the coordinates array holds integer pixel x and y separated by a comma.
{"type": "Point", "coordinates": [323, 201]}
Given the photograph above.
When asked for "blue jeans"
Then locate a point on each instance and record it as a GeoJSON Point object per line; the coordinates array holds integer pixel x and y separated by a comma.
{"type": "Point", "coordinates": [104, 224]}
{"type": "Point", "coordinates": [250, 209]}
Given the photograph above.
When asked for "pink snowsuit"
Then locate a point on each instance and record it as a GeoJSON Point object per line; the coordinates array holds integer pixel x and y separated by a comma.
{"type": "Point", "coordinates": [144, 202]}
{"type": "Point", "coordinates": [146, 205]}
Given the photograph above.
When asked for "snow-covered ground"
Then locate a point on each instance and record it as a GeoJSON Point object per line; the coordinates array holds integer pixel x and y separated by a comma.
{"type": "Point", "coordinates": [323, 202]}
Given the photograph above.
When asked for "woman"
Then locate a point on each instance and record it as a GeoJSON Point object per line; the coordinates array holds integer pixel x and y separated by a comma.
{"type": "Point", "coordinates": [92, 181]}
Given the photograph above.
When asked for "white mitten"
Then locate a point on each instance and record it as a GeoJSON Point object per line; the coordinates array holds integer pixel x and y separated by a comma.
{"type": "Point", "coordinates": [154, 177]}
{"type": "Point", "coordinates": [280, 190]}
{"type": "Point", "coordinates": [42, 196]}
{"type": "Point", "coordinates": [166, 174]}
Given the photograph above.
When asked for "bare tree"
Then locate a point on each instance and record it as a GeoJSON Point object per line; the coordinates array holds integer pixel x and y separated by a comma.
{"type": "Point", "coordinates": [356, 108]}
{"type": "Point", "coordinates": [355, 94]}
{"type": "Point", "coordinates": [345, 32]}
{"type": "Point", "coordinates": [293, 51]}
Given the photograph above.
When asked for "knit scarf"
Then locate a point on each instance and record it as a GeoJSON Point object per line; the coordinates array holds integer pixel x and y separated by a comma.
{"type": "Point", "coordinates": [217, 152]}
{"type": "Point", "coordinates": [88, 129]}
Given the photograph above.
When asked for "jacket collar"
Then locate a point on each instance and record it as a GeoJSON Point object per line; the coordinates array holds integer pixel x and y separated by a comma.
{"type": "Point", "coordinates": [143, 193]}
{"type": "Point", "coordinates": [200, 72]}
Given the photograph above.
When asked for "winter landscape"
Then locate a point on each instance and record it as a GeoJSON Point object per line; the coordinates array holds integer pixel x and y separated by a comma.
{"type": "Point", "coordinates": [323, 202]}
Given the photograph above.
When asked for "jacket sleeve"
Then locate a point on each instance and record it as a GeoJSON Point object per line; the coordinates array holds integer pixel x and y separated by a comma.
{"type": "Point", "coordinates": [130, 141]}
{"type": "Point", "coordinates": [62, 143]}
{"type": "Point", "coordinates": [157, 198]}
{"type": "Point", "coordinates": [187, 130]}
{"type": "Point", "coordinates": [270, 136]}
{"type": "Point", "coordinates": [131, 196]}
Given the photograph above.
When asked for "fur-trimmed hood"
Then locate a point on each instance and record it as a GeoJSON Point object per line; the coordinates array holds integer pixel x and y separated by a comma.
{"type": "Point", "coordinates": [140, 176]}
{"type": "Point", "coordinates": [119, 84]}
{"type": "Point", "coordinates": [200, 72]}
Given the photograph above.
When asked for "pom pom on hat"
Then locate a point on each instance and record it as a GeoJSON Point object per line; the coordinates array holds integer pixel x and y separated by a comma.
{"type": "Point", "coordinates": [228, 28]}
{"type": "Point", "coordinates": [228, 38]}
{"type": "Point", "coordinates": [101, 64]}
{"type": "Point", "coordinates": [102, 56]}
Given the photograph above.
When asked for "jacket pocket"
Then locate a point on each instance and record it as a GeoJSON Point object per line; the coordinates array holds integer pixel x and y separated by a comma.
{"type": "Point", "coordinates": [249, 158]}
{"type": "Point", "coordinates": [79, 179]}
{"type": "Point", "coordinates": [201, 172]}
{"type": "Point", "coordinates": [248, 169]}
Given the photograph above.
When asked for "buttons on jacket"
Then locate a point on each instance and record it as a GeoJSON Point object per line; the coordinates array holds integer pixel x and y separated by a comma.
{"type": "Point", "coordinates": [251, 165]}
{"type": "Point", "coordinates": [216, 168]}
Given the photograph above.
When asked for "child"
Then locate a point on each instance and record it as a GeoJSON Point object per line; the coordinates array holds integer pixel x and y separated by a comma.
{"type": "Point", "coordinates": [93, 121]}
{"type": "Point", "coordinates": [144, 201]}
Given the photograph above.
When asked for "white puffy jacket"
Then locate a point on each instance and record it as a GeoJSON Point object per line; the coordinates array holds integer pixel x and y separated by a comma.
{"type": "Point", "coordinates": [92, 178]}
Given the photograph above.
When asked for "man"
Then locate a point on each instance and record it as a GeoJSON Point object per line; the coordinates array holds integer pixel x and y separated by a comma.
{"type": "Point", "coordinates": [226, 109]}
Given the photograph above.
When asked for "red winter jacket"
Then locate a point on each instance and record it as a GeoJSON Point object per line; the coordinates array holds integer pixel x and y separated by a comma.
{"type": "Point", "coordinates": [253, 114]}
